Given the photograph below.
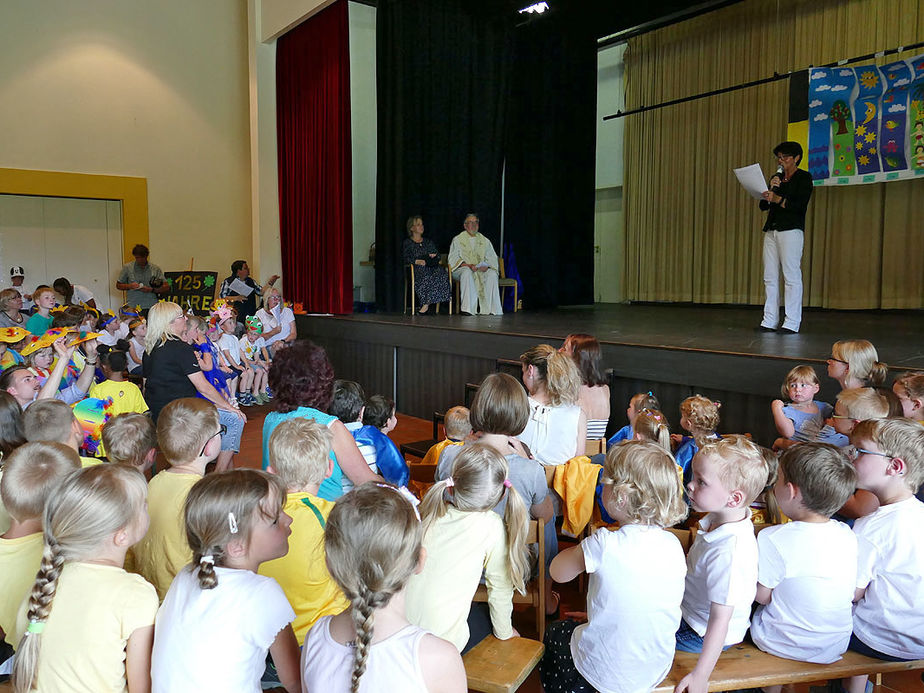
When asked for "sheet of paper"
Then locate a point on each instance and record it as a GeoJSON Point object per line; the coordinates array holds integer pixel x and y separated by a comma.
{"type": "Point", "coordinates": [482, 264]}
{"type": "Point", "coordinates": [239, 287]}
{"type": "Point", "coordinates": [752, 179]}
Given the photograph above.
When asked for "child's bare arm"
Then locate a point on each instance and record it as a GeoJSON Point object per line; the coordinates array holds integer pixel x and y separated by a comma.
{"type": "Point", "coordinates": [264, 355]}
{"type": "Point", "coordinates": [860, 504]}
{"type": "Point", "coordinates": [284, 651]}
{"type": "Point", "coordinates": [784, 425]}
{"type": "Point", "coordinates": [568, 564]}
{"type": "Point", "coordinates": [138, 659]}
{"type": "Point", "coordinates": [697, 681]}
{"type": "Point", "coordinates": [763, 594]}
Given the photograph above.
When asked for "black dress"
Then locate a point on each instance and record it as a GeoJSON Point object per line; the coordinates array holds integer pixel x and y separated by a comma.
{"type": "Point", "coordinates": [431, 282]}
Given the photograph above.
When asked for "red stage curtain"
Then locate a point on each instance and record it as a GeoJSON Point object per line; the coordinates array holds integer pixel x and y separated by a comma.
{"type": "Point", "coordinates": [313, 130]}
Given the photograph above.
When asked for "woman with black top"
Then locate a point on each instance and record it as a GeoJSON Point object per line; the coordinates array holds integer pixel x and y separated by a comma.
{"type": "Point", "coordinates": [171, 371]}
{"type": "Point", "coordinates": [431, 282]}
{"type": "Point", "coordinates": [787, 201]}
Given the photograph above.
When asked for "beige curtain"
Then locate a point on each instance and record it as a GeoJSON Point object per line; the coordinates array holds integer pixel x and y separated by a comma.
{"type": "Point", "coordinates": [692, 234]}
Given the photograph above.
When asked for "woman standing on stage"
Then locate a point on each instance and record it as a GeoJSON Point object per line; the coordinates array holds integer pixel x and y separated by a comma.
{"type": "Point", "coordinates": [431, 282]}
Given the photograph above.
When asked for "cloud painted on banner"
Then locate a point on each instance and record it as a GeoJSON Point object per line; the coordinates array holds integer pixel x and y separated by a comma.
{"type": "Point", "coordinates": [839, 87]}
{"type": "Point", "coordinates": [820, 116]}
{"type": "Point", "coordinates": [815, 104]}
{"type": "Point", "coordinates": [902, 82]}
{"type": "Point", "coordinates": [819, 75]}
{"type": "Point", "coordinates": [897, 108]}
{"type": "Point", "coordinates": [823, 87]}
{"type": "Point", "coordinates": [846, 73]}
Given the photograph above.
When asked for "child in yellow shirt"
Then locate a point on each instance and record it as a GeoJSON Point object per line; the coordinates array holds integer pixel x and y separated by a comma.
{"type": "Point", "coordinates": [131, 439]}
{"type": "Point", "coordinates": [458, 428]}
{"type": "Point", "coordinates": [126, 396]}
{"type": "Point", "coordinates": [299, 454]}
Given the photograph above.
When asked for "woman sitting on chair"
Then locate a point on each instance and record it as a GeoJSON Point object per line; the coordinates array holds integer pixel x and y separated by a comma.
{"type": "Point", "coordinates": [431, 282]}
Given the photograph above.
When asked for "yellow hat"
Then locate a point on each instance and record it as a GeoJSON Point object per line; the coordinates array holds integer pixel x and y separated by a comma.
{"type": "Point", "coordinates": [45, 340]}
{"type": "Point", "coordinates": [11, 335]}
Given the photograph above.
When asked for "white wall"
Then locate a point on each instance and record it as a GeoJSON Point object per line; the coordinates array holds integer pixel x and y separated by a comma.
{"type": "Point", "coordinates": [363, 122]}
{"type": "Point", "coordinates": [151, 89]}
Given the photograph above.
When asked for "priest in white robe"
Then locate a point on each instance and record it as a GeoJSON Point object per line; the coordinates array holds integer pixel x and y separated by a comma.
{"type": "Point", "coordinates": [474, 266]}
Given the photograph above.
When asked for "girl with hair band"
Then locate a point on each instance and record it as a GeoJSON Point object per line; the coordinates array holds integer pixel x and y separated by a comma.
{"type": "Point", "coordinates": [855, 363]}
{"type": "Point", "coordinates": [463, 536]}
{"type": "Point", "coordinates": [636, 586]}
{"type": "Point", "coordinates": [594, 399]}
{"type": "Point", "coordinates": [699, 416]}
{"type": "Point", "coordinates": [373, 543]}
{"type": "Point", "coordinates": [88, 625]}
{"type": "Point", "coordinates": [220, 618]}
{"type": "Point", "coordinates": [651, 425]}
{"type": "Point", "coordinates": [556, 429]}
{"type": "Point", "coordinates": [207, 355]}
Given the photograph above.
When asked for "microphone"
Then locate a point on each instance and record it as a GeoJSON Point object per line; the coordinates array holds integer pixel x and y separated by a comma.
{"type": "Point", "coordinates": [779, 174]}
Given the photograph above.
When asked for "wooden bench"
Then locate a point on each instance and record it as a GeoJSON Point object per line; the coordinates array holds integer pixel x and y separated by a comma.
{"type": "Point", "coordinates": [501, 666]}
{"type": "Point", "coordinates": [744, 666]}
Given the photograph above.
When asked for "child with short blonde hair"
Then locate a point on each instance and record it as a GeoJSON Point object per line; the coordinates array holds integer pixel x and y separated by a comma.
{"type": "Point", "coordinates": [802, 419]}
{"type": "Point", "coordinates": [636, 581]}
{"type": "Point", "coordinates": [721, 578]}
{"type": "Point", "coordinates": [463, 536]}
{"type": "Point", "coordinates": [131, 439]}
{"type": "Point", "coordinates": [637, 403]}
{"type": "Point", "coordinates": [220, 618]}
{"type": "Point", "coordinates": [299, 452]}
{"type": "Point", "coordinates": [87, 621]}
{"type": "Point", "coordinates": [458, 427]}
{"type": "Point", "coordinates": [30, 475]}
{"type": "Point", "coordinates": [699, 416]}
{"type": "Point", "coordinates": [888, 620]}
{"type": "Point", "coordinates": [188, 433]}
{"type": "Point", "coordinates": [856, 405]}
{"type": "Point", "coordinates": [808, 568]}
{"type": "Point", "coordinates": [373, 542]}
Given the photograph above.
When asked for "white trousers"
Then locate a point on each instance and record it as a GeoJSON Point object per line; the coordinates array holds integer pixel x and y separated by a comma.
{"type": "Point", "coordinates": [783, 251]}
{"type": "Point", "coordinates": [486, 303]}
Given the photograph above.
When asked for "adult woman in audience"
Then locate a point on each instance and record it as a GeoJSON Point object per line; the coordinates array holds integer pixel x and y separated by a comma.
{"type": "Point", "coordinates": [277, 319]}
{"type": "Point", "coordinates": [855, 363]}
{"type": "Point", "coordinates": [557, 427]}
{"type": "Point", "coordinates": [431, 282]}
{"type": "Point", "coordinates": [302, 381]}
{"type": "Point", "coordinates": [171, 371]}
{"type": "Point", "coordinates": [594, 401]}
{"type": "Point", "coordinates": [10, 305]}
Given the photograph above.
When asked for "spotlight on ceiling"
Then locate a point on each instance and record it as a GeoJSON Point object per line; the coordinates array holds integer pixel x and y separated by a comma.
{"type": "Point", "coordinates": [537, 8]}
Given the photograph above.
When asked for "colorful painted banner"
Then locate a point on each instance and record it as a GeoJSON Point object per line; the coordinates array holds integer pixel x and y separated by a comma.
{"type": "Point", "coordinates": [866, 123]}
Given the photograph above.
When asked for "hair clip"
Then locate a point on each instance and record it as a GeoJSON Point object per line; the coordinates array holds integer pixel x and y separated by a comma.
{"type": "Point", "coordinates": [407, 495]}
{"type": "Point", "coordinates": [650, 393]}
{"type": "Point", "coordinates": [507, 483]}
{"type": "Point", "coordinates": [232, 523]}
{"type": "Point", "coordinates": [449, 482]}
{"type": "Point", "coordinates": [209, 558]}
{"type": "Point", "coordinates": [35, 627]}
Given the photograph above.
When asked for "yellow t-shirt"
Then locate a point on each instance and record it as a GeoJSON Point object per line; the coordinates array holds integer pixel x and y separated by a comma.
{"type": "Point", "coordinates": [90, 461]}
{"type": "Point", "coordinates": [126, 396]}
{"type": "Point", "coordinates": [164, 552]}
{"type": "Point", "coordinates": [95, 610]}
{"type": "Point", "coordinates": [302, 573]}
{"type": "Point", "coordinates": [433, 454]}
{"type": "Point", "coordinates": [20, 559]}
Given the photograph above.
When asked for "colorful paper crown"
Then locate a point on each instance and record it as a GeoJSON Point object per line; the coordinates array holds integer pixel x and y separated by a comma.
{"type": "Point", "coordinates": [253, 323]}
{"type": "Point", "coordinates": [11, 335]}
{"type": "Point", "coordinates": [90, 309]}
{"type": "Point", "coordinates": [129, 311]}
{"type": "Point", "coordinates": [137, 322]}
{"type": "Point", "coordinates": [43, 340]}
{"type": "Point", "coordinates": [106, 318]}
{"type": "Point", "coordinates": [83, 337]}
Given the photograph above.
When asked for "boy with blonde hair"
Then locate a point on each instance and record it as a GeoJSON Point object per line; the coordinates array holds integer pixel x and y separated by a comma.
{"type": "Point", "coordinates": [853, 406]}
{"type": "Point", "coordinates": [189, 434]}
{"type": "Point", "coordinates": [299, 454]}
{"type": "Point", "coordinates": [458, 427]}
{"type": "Point", "coordinates": [30, 475]}
{"type": "Point", "coordinates": [888, 620]}
{"type": "Point", "coordinates": [721, 580]}
{"type": "Point", "coordinates": [131, 439]}
{"type": "Point", "coordinates": [808, 568]}
{"type": "Point", "coordinates": [52, 421]}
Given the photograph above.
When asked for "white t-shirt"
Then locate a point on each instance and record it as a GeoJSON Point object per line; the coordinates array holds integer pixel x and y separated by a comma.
{"type": "Point", "coordinates": [217, 639]}
{"type": "Point", "coordinates": [254, 350]}
{"type": "Point", "coordinates": [392, 664]}
{"type": "Point", "coordinates": [551, 432]}
{"type": "Point", "coordinates": [633, 608]}
{"type": "Point", "coordinates": [721, 568]}
{"type": "Point", "coordinates": [228, 342]}
{"type": "Point", "coordinates": [812, 569]}
{"type": "Point", "coordinates": [139, 349]}
{"type": "Point", "coordinates": [890, 617]}
{"type": "Point", "coordinates": [81, 294]}
{"type": "Point", "coordinates": [108, 338]}
{"type": "Point", "coordinates": [367, 451]}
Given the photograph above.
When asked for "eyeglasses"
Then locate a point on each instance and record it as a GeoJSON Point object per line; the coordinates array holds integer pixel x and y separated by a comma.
{"type": "Point", "coordinates": [780, 157]}
{"type": "Point", "coordinates": [222, 429]}
{"type": "Point", "coordinates": [838, 416]}
{"type": "Point", "coordinates": [854, 453]}
{"type": "Point", "coordinates": [831, 358]}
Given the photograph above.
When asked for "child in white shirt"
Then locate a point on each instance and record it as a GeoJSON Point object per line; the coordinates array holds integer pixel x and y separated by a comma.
{"type": "Point", "coordinates": [241, 379]}
{"type": "Point", "coordinates": [254, 357]}
{"type": "Point", "coordinates": [373, 541]}
{"type": "Point", "coordinates": [636, 582]}
{"type": "Point", "coordinates": [808, 568]}
{"type": "Point", "coordinates": [722, 564]}
{"type": "Point", "coordinates": [138, 328]}
{"type": "Point", "coordinates": [888, 621]}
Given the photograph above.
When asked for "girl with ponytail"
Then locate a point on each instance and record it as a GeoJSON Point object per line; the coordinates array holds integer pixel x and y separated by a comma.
{"type": "Point", "coordinates": [88, 625]}
{"type": "Point", "coordinates": [220, 618]}
{"type": "Point", "coordinates": [372, 542]}
{"type": "Point", "coordinates": [463, 537]}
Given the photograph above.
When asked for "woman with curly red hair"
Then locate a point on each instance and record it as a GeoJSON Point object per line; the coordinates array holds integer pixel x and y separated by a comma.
{"type": "Point", "coordinates": [302, 381]}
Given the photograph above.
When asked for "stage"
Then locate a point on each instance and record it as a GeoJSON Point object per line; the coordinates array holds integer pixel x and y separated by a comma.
{"type": "Point", "coordinates": [424, 362]}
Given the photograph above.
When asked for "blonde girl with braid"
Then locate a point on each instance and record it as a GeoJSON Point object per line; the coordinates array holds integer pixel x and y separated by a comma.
{"type": "Point", "coordinates": [373, 545]}
{"type": "Point", "coordinates": [556, 429]}
{"type": "Point", "coordinates": [88, 624]}
{"type": "Point", "coordinates": [464, 537]}
{"type": "Point", "coordinates": [220, 618]}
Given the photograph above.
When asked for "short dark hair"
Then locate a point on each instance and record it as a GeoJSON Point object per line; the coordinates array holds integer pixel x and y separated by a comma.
{"type": "Point", "coordinates": [301, 376]}
{"type": "Point", "coordinates": [60, 284]}
{"type": "Point", "coordinates": [115, 359]}
{"type": "Point", "coordinates": [788, 148]}
{"type": "Point", "coordinates": [348, 400]}
{"type": "Point", "coordinates": [140, 250]}
{"type": "Point", "coordinates": [237, 265]}
{"type": "Point", "coordinates": [6, 378]}
{"type": "Point", "coordinates": [379, 409]}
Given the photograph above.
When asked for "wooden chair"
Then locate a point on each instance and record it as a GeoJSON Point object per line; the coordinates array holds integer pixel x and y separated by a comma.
{"type": "Point", "coordinates": [535, 589]}
{"type": "Point", "coordinates": [471, 389]}
{"type": "Point", "coordinates": [409, 277]}
{"type": "Point", "coordinates": [501, 666]}
{"type": "Point", "coordinates": [594, 446]}
{"type": "Point", "coordinates": [422, 478]}
{"type": "Point", "coordinates": [419, 448]}
{"type": "Point", "coordinates": [504, 283]}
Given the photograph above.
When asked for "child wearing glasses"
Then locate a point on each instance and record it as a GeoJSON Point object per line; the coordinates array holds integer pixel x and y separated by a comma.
{"type": "Point", "coordinates": [189, 435]}
{"type": "Point", "coordinates": [888, 620]}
